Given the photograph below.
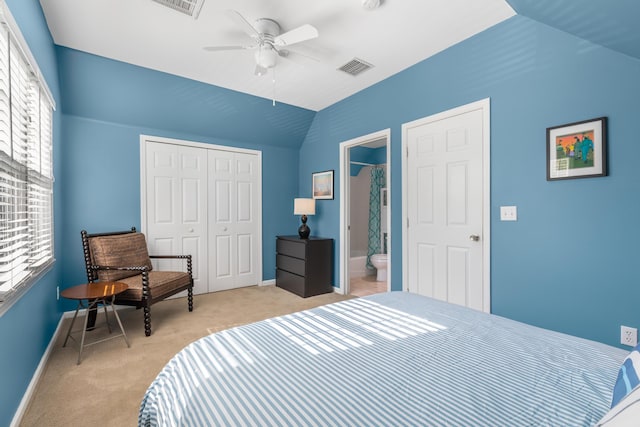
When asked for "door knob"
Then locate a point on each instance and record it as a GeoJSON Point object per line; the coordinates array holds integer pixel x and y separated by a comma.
{"type": "Point", "coordinates": [224, 229]}
{"type": "Point", "coordinates": [474, 237]}
{"type": "Point", "coordinates": [191, 230]}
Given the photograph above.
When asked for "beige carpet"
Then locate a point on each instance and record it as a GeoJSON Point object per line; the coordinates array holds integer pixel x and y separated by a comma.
{"type": "Point", "coordinates": [107, 387]}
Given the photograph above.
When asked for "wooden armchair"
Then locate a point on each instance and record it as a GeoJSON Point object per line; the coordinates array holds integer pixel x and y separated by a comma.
{"type": "Point", "coordinates": [122, 256]}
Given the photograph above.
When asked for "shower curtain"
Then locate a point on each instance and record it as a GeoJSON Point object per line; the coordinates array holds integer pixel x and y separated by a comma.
{"type": "Point", "coordinates": [377, 182]}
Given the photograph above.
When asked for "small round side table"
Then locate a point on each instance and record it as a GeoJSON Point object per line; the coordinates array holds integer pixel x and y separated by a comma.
{"type": "Point", "coordinates": [94, 293]}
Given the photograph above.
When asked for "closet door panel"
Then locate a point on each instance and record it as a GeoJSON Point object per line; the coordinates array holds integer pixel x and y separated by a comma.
{"type": "Point", "coordinates": [232, 219]}
{"type": "Point", "coordinates": [247, 218]}
{"type": "Point", "coordinates": [176, 220]}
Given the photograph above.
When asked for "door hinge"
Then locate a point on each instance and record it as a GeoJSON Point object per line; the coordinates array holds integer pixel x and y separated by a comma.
{"type": "Point", "coordinates": [407, 222]}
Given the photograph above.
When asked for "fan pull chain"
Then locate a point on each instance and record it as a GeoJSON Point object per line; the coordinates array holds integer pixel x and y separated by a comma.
{"type": "Point", "coordinates": [273, 77]}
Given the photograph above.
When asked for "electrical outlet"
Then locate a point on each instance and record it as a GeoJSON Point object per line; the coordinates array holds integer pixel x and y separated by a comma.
{"type": "Point", "coordinates": [628, 336]}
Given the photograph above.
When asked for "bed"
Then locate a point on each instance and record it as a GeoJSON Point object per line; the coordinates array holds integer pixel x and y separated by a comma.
{"type": "Point", "coordinates": [392, 359]}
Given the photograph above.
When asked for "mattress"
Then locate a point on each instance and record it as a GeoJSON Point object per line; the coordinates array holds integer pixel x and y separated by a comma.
{"type": "Point", "coordinates": [392, 359]}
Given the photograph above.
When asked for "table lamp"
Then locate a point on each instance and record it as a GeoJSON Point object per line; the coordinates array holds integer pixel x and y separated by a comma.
{"type": "Point", "coordinates": [304, 207]}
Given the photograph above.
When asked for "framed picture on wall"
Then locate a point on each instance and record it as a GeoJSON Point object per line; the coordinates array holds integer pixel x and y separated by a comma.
{"type": "Point", "coordinates": [322, 185]}
{"type": "Point", "coordinates": [577, 150]}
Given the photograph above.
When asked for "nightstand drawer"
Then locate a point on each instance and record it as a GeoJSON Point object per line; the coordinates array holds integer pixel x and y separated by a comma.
{"type": "Point", "coordinates": [291, 248]}
{"type": "Point", "coordinates": [290, 264]}
{"type": "Point", "coordinates": [290, 282]}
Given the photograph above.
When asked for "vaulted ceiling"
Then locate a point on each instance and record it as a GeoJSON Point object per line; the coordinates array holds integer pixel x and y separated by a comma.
{"type": "Point", "coordinates": [398, 34]}
{"type": "Point", "coordinates": [391, 38]}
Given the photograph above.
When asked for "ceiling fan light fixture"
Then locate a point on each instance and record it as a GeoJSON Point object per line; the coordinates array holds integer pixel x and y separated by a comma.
{"type": "Point", "coordinates": [260, 71]}
{"type": "Point", "coordinates": [266, 57]}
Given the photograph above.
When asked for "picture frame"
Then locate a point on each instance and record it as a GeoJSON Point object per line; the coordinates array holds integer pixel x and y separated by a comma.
{"type": "Point", "coordinates": [577, 150]}
{"type": "Point", "coordinates": [322, 185]}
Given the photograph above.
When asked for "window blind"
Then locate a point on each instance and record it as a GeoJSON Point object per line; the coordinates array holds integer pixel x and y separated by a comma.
{"type": "Point", "coordinates": [26, 171]}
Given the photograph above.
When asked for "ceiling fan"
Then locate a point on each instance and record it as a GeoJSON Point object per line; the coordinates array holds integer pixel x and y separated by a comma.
{"type": "Point", "coordinates": [268, 42]}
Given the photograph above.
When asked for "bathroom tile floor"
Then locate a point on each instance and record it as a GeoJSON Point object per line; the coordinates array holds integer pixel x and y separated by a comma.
{"type": "Point", "coordinates": [367, 285]}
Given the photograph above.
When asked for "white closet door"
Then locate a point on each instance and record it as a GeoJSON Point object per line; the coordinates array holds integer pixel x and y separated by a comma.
{"type": "Point", "coordinates": [176, 191]}
{"type": "Point", "coordinates": [234, 219]}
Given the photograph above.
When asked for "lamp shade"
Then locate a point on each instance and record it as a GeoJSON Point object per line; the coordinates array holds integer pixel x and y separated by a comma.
{"type": "Point", "coordinates": [304, 206]}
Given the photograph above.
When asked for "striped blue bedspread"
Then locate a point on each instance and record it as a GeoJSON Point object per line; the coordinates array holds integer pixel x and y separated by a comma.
{"type": "Point", "coordinates": [394, 359]}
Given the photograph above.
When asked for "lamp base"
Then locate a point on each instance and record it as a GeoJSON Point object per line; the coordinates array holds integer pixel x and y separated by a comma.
{"type": "Point", "coordinates": [304, 230]}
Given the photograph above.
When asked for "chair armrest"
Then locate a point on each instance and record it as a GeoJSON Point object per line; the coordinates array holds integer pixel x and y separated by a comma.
{"type": "Point", "coordinates": [170, 256]}
{"type": "Point", "coordinates": [187, 257]}
{"type": "Point", "coordinates": [140, 268]}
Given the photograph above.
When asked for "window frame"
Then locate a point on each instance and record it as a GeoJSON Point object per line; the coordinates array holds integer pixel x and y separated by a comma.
{"type": "Point", "coordinates": [33, 172]}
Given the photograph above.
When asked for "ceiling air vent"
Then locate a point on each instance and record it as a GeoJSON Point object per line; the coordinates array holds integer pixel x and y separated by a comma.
{"type": "Point", "coordinates": [190, 7]}
{"type": "Point", "coordinates": [355, 67]}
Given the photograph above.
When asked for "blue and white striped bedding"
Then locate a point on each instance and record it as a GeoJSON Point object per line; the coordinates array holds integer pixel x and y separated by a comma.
{"type": "Point", "coordinates": [394, 359]}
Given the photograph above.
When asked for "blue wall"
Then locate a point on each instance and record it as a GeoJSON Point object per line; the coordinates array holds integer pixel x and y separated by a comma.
{"type": "Point", "coordinates": [117, 92]}
{"type": "Point", "coordinates": [568, 263]}
{"type": "Point", "coordinates": [27, 328]}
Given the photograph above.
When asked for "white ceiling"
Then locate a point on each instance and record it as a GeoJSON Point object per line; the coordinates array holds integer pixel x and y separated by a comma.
{"type": "Point", "coordinates": [393, 37]}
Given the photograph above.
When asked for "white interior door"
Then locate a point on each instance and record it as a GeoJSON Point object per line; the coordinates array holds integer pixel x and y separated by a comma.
{"type": "Point", "coordinates": [176, 189]}
{"type": "Point", "coordinates": [234, 219]}
{"type": "Point", "coordinates": [444, 206]}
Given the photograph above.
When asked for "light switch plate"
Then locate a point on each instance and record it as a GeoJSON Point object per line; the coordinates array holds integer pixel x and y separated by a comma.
{"type": "Point", "coordinates": [508, 213]}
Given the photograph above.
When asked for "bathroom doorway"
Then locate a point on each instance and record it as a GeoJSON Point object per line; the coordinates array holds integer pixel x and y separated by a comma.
{"type": "Point", "coordinates": [365, 214]}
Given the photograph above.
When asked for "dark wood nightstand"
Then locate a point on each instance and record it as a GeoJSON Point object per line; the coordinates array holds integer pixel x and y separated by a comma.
{"type": "Point", "coordinates": [304, 266]}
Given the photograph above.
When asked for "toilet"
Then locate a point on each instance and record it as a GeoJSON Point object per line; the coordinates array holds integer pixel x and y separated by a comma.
{"type": "Point", "coordinates": [379, 261]}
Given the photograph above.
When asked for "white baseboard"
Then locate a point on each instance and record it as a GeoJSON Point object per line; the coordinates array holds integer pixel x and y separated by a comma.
{"type": "Point", "coordinates": [17, 417]}
{"type": "Point", "coordinates": [28, 394]}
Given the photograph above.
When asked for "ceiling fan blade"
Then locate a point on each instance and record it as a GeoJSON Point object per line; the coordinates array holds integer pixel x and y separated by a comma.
{"type": "Point", "coordinates": [297, 35]}
{"type": "Point", "coordinates": [241, 22]}
{"type": "Point", "coordinates": [223, 48]}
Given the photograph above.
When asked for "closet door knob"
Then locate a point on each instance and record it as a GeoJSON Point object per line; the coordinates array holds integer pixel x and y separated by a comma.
{"type": "Point", "coordinates": [474, 237]}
